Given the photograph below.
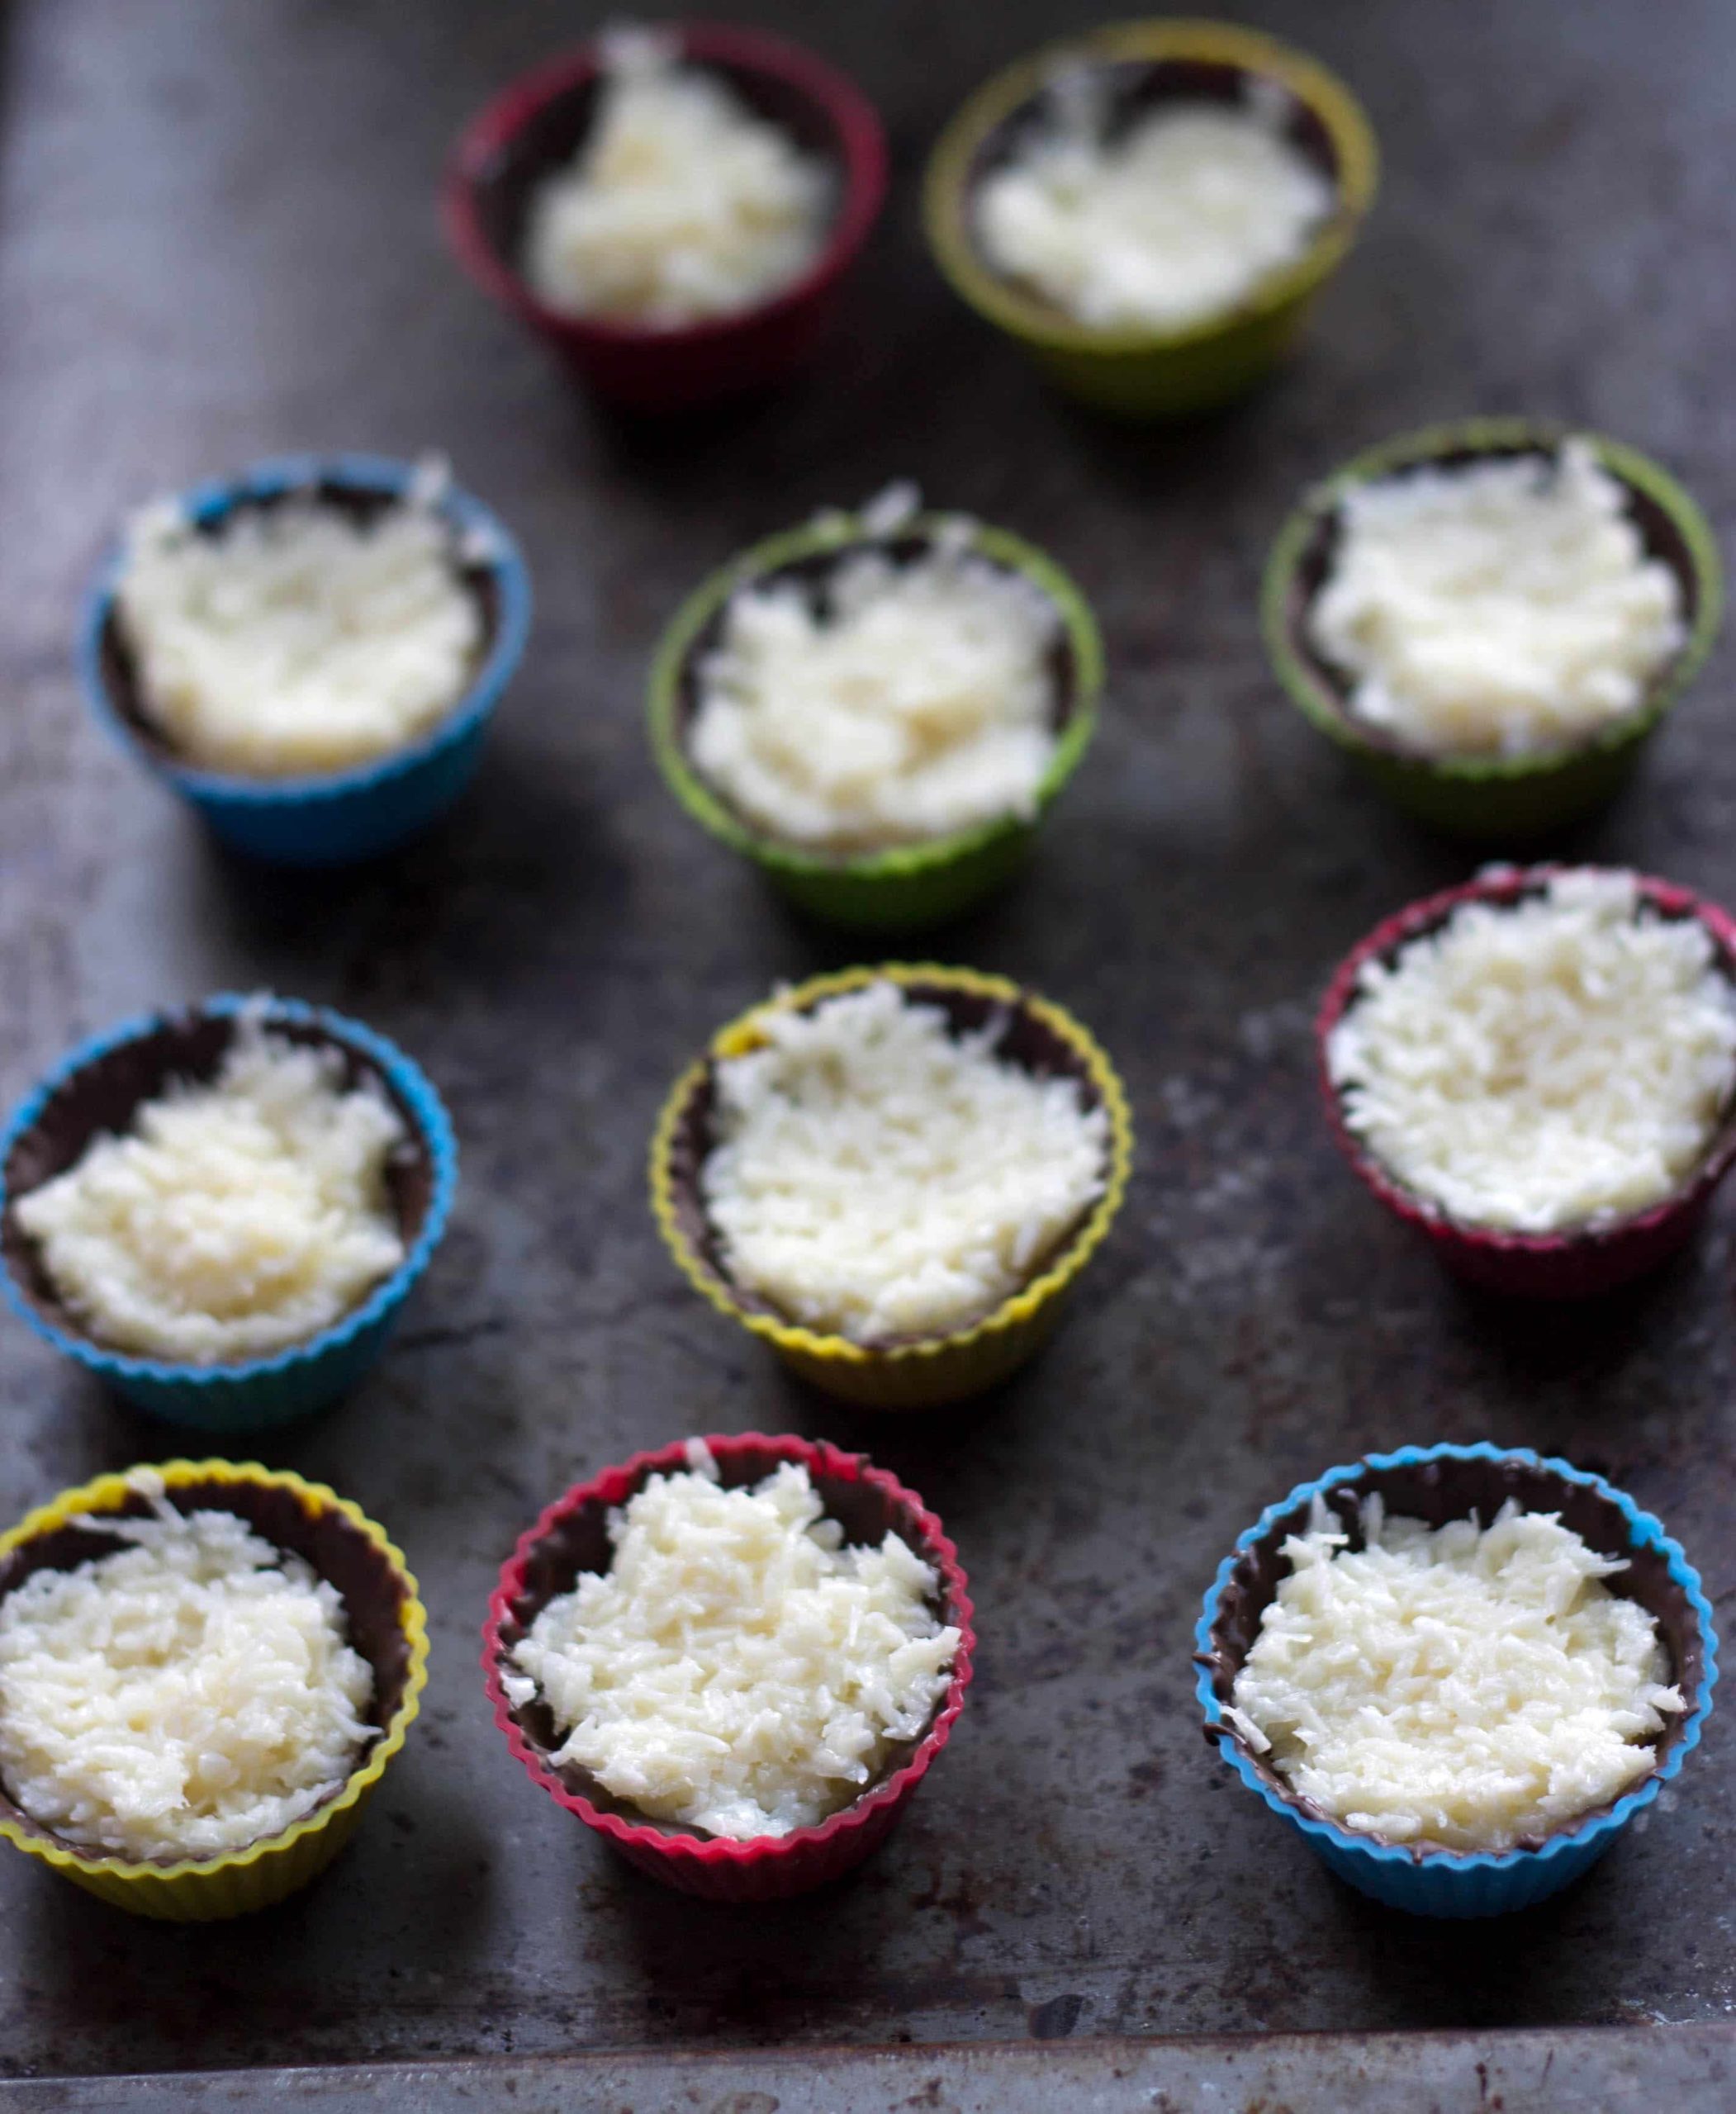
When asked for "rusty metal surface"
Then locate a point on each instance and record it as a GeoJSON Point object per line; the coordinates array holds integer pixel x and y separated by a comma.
{"type": "Point", "coordinates": [217, 240]}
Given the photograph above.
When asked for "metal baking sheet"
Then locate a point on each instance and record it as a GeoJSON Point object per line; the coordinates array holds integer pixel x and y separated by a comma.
{"type": "Point", "coordinates": [218, 240]}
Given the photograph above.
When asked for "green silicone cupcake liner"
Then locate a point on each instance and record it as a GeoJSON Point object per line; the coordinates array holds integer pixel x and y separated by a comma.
{"type": "Point", "coordinates": [1132, 371]}
{"type": "Point", "coordinates": [909, 885]}
{"type": "Point", "coordinates": [1491, 798]}
{"type": "Point", "coordinates": [929, 1371]}
{"type": "Point", "coordinates": [388, 1626]}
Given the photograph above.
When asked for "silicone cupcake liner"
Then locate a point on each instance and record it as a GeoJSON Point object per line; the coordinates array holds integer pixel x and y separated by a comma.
{"type": "Point", "coordinates": [97, 1087]}
{"type": "Point", "coordinates": [1493, 799]}
{"type": "Point", "coordinates": [1436, 1484]}
{"type": "Point", "coordinates": [1577, 1264]}
{"type": "Point", "coordinates": [924, 1372]}
{"type": "Point", "coordinates": [911, 885]}
{"type": "Point", "coordinates": [572, 1537]}
{"type": "Point", "coordinates": [535, 125]}
{"type": "Point", "coordinates": [1135, 371]}
{"type": "Point", "coordinates": [388, 1626]}
{"type": "Point", "coordinates": [332, 818]}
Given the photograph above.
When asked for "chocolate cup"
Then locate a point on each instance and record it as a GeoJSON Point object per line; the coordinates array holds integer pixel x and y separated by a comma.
{"type": "Point", "coordinates": [579, 1541]}
{"type": "Point", "coordinates": [1662, 534]}
{"type": "Point", "coordinates": [104, 1096]}
{"type": "Point", "coordinates": [374, 1592]}
{"type": "Point", "coordinates": [1029, 1041]}
{"type": "Point", "coordinates": [1132, 88]}
{"type": "Point", "coordinates": [118, 666]}
{"type": "Point", "coordinates": [812, 573]}
{"type": "Point", "coordinates": [1436, 1491]}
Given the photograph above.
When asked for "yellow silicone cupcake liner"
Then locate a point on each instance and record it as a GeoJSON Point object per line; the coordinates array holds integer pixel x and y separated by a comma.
{"type": "Point", "coordinates": [1135, 371]}
{"type": "Point", "coordinates": [388, 1625]}
{"type": "Point", "coordinates": [926, 1371]}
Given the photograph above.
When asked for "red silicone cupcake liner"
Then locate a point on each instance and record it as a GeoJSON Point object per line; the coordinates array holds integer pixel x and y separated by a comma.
{"type": "Point", "coordinates": [571, 1536]}
{"type": "Point", "coordinates": [1579, 1264]}
{"type": "Point", "coordinates": [521, 135]}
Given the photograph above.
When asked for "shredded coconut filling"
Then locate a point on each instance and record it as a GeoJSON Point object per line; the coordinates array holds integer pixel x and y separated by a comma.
{"type": "Point", "coordinates": [896, 703]}
{"type": "Point", "coordinates": [1495, 608]}
{"type": "Point", "coordinates": [737, 1669]}
{"type": "Point", "coordinates": [1163, 223]}
{"type": "Point", "coordinates": [1470, 1687]}
{"type": "Point", "coordinates": [681, 203]}
{"type": "Point", "coordinates": [878, 1176]}
{"type": "Point", "coordinates": [297, 638]}
{"type": "Point", "coordinates": [191, 1693]}
{"type": "Point", "coordinates": [1564, 1060]}
{"type": "Point", "coordinates": [234, 1218]}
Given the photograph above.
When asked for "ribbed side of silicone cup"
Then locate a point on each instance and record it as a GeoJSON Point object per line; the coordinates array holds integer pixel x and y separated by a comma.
{"type": "Point", "coordinates": [536, 124]}
{"type": "Point", "coordinates": [572, 1537]}
{"type": "Point", "coordinates": [87, 1091]}
{"type": "Point", "coordinates": [928, 1371]}
{"type": "Point", "coordinates": [1134, 372]}
{"type": "Point", "coordinates": [1437, 1483]}
{"type": "Point", "coordinates": [388, 1626]}
{"type": "Point", "coordinates": [1577, 1263]}
{"type": "Point", "coordinates": [333, 818]}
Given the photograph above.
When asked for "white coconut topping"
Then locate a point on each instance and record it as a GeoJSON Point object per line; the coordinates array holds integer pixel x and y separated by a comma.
{"type": "Point", "coordinates": [894, 702]}
{"type": "Point", "coordinates": [1562, 1060]}
{"type": "Point", "coordinates": [190, 1693]}
{"type": "Point", "coordinates": [1465, 1686]}
{"type": "Point", "coordinates": [877, 1175]}
{"type": "Point", "coordinates": [1495, 608]}
{"type": "Point", "coordinates": [736, 1668]}
{"type": "Point", "coordinates": [1160, 225]}
{"type": "Point", "coordinates": [681, 203]}
{"type": "Point", "coordinates": [234, 1218]}
{"type": "Point", "coordinates": [297, 638]}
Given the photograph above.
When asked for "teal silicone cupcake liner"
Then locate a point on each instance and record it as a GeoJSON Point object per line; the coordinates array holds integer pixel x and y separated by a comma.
{"type": "Point", "coordinates": [908, 885]}
{"type": "Point", "coordinates": [1438, 1483]}
{"type": "Point", "coordinates": [333, 818]}
{"type": "Point", "coordinates": [1491, 798]}
{"type": "Point", "coordinates": [95, 1086]}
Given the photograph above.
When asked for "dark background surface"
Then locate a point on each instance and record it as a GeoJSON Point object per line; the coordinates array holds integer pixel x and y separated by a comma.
{"type": "Point", "coordinates": [217, 240]}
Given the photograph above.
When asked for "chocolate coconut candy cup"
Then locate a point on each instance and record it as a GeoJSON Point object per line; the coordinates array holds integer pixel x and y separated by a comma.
{"type": "Point", "coordinates": [1576, 1263]}
{"type": "Point", "coordinates": [1134, 371]}
{"type": "Point", "coordinates": [536, 126]}
{"type": "Point", "coordinates": [388, 1626]}
{"type": "Point", "coordinates": [921, 1371]}
{"type": "Point", "coordinates": [1436, 1484]}
{"type": "Point", "coordinates": [572, 1537]}
{"type": "Point", "coordinates": [1494, 799]}
{"type": "Point", "coordinates": [99, 1086]}
{"type": "Point", "coordinates": [325, 818]}
{"type": "Point", "coordinates": [906, 886]}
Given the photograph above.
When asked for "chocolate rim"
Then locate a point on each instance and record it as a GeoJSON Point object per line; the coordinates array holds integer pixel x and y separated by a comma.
{"type": "Point", "coordinates": [363, 490]}
{"type": "Point", "coordinates": [537, 124]}
{"type": "Point", "coordinates": [810, 558]}
{"type": "Point", "coordinates": [103, 1090]}
{"type": "Point", "coordinates": [378, 1594]}
{"type": "Point", "coordinates": [1504, 886]}
{"type": "Point", "coordinates": [571, 1537]}
{"type": "Point", "coordinates": [1447, 1483]}
{"type": "Point", "coordinates": [1031, 1040]}
{"type": "Point", "coordinates": [1670, 528]}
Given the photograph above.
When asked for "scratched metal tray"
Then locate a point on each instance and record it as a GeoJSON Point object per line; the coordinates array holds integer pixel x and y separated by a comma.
{"type": "Point", "coordinates": [217, 240]}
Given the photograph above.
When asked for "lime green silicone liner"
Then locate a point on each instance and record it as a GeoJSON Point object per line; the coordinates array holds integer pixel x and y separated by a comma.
{"type": "Point", "coordinates": [1492, 799]}
{"type": "Point", "coordinates": [912, 884]}
{"type": "Point", "coordinates": [205, 1889]}
{"type": "Point", "coordinates": [1133, 372]}
{"type": "Point", "coordinates": [932, 1370]}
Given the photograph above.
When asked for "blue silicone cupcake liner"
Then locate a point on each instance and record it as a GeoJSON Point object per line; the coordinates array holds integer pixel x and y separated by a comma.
{"type": "Point", "coordinates": [293, 1383]}
{"type": "Point", "coordinates": [336, 817]}
{"type": "Point", "coordinates": [1436, 1882]}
